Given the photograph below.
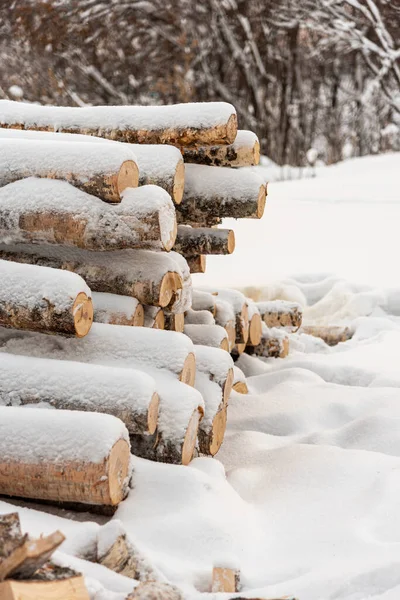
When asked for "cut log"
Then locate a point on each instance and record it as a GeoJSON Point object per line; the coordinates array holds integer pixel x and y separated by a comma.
{"type": "Point", "coordinates": [280, 313]}
{"type": "Point", "coordinates": [239, 304]}
{"type": "Point", "coordinates": [65, 456]}
{"type": "Point", "coordinates": [116, 345]}
{"type": "Point", "coordinates": [160, 165]}
{"type": "Point", "coordinates": [101, 170]}
{"type": "Point", "coordinates": [274, 344]}
{"type": "Point", "coordinates": [213, 425]}
{"type": "Point", "coordinates": [239, 381]}
{"type": "Point", "coordinates": [199, 317]}
{"type": "Point", "coordinates": [244, 152]}
{"type": "Point", "coordinates": [127, 394]}
{"type": "Point", "coordinates": [218, 365]}
{"type": "Point", "coordinates": [197, 264]}
{"type": "Point", "coordinates": [117, 310]}
{"type": "Point", "coordinates": [42, 299]}
{"type": "Point", "coordinates": [149, 214]}
{"type": "Point", "coordinates": [255, 323]}
{"type": "Point", "coordinates": [174, 321]}
{"type": "Point", "coordinates": [153, 590]}
{"type": "Point", "coordinates": [225, 317]}
{"type": "Point", "coordinates": [30, 556]}
{"type": "Point", "coordinates": [331, 335]}
{"type": "Point", "coordinates": [150, 277]}
{"type": "Point", "coordinates": [212, 193]}
{"type": "Point", "coordinates": [179, 124]}
{"type": "Point", "coordinates": [154, 317]}
{"type": "Point", "coordinates": [203, 301]}
{"type": "Point", "coordinates": [191, 241]}
{"type": "Point", "coordinates": [73, 588]}
{"type": "Point", "coordinates": [208, 335]}
{"type": "Point", "coordinates": [182, 300]}
{"type": "Point", "coordinates": [225, 580]}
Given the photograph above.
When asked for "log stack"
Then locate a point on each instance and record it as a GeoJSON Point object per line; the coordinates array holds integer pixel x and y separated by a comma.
{"type": "Point", "coordinates": [104, 214]}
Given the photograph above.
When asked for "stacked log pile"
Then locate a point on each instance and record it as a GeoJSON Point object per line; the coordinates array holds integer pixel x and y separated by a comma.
{"type": "Point", "coordinates": [101, 225]}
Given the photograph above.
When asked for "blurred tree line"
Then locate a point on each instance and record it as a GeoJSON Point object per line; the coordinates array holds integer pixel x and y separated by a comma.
{"type": "Point", "coordinates": [320, 74]}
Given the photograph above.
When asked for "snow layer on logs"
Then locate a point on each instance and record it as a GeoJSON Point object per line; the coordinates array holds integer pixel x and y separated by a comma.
{"type": "Point", "coordinates": [33, 286]}
{"type": "Point", "coordinates": [214, 361]}
{"type": "Point", "coordinates": [108, 118]}
{"type": "Point", "coordinates": [111, 303]}
{"type": "Point", "coordinates": [233, 297]}
{"type": "Point", "coordinates": [104, 229]}
{"type": "Point", "coordinates": [277, 306]}
{"type": "Point", "coordinates": [212, 335]}
{"type": "Point", "coordinates": [39, 156]}
{"type": "Point", "coordinates": [199, 317]}
{"type": "Point", "coordinates": [184, 297]}
{"type": "Point", "coordinates": [57, 436]}
{"type": "Point", "coordinates": [127, 346]}
{"type": "Point", "coordinates": [112, 390]}
{"type": "Point", "coordinates": [213, 400]}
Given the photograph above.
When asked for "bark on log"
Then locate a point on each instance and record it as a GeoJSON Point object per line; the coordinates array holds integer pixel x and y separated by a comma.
{"type": "Point", "coordinates": [202, 300]}
{"type": "Point", "coordinates": [49, 465]}
{"type": "Point", "coordinates": [225, 580]}
{"type": "Point", "coordinates": [117, 310]}
{"type": "Point", "coordinates": [41, 299]}
{"type": "Point", "coordinates": [43, 211]}
{"type": "Point", "coordinates": [174, 321]}
{"type": "Point", "coordinates": [197, 264]}
{"type": "Point", "coordinates": [154, 317]}
{"type": "Point", "coordinates": [331, 335]}
{"type": "Point", "coordinates": [218, 366]}
{"type": "Point", "coordinates": [274, 344]}
{"type": "Point", "coordinates": [101, 170]}
{"type": "Point", "coordinates": [127, 394]}
{"type": "Point", "coordinates": [155, 591]}
{"type": "Point", "coordinates": [30, 556]}
{"type": "Point", "coordinates": [179, 124]}
{"type": "Point", "coordinates": [212, 193]}
{"type": "Point", "coordinates": [208, 335]}
{"type": "Point", "coordinates": [212, 427]}
{"type": "Point", "coordinates": [191, 241]}
{"type": "Point", "coordinates": [132, 347]}
{"type": "Point", "coordinates": [280, 313]}
{"type": "Point", "coordinates": [72, 588]}
{"type": "Point", "coordinates": [150, 277]}
{"type": "Point", "coordinates": [239, 305]}
{"type": "Point", "coordinates": [183, 298]}
{"type": "Point", "coordinates": [243, 152]}
{"type": "Point", "coordinates": [225, 316]}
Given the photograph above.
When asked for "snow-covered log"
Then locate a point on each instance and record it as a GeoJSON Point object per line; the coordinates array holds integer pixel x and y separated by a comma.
{"type": "Point", "coordinates": [208, 335]}
{"type": "Point", "coordinates": [199, 317]}
{"type": "Point", "coordinates": [174, 321]}
{"type": "Point", "coordinates": [239, 304]}
{"type": "Point", "coordinates": [127, 394]}
{"type": "Point", "coordinates": [218, 366]}
{"type": "Point", "coordinates": [42, 299]}
{"type": "Point", "coordinates": [66, 584]}
{"type": "Point", "coordinates": [149, 214]}
{"type": "Point", "coordinates": [212, 193]}
{"type": "Point", "coordinates": [243, 152]}
{"type": "Point", "coordinates": [154, 590]}
{"type": "Point", "coordinates": [225, 317]}
{"type": "Point", "coordinates": [29, 556]}
{"type": "Point", "coordinates": [150, 277]}
{"type": "Point", "coordinates": [160, 165]}
{"type": "Point", "coordinates": [117, 310]}
{"type": "Point", "coordinates": [45, 211]}
{"type": "Point", "coordinates": [213, 425]}
{"type": "Point", "coordinates": [115, 345]}
{"type": "Point", "coordinates": [255, 323]}
{"type": "Point", "coordinates": [182, 300]}
{"type": "Point", "coordinates": [274, 344]}
{"type": "Point", "coordinates": [179, 124]}
{"type": "Point", "coordinates": [99, 170]}
{"type": "Point", "coordinates": [225, 580]}
{"type": "Point", "coordinates": [197, 263]}
{"type": "Point", "coordinates": [281, 313]}
{"type": "Point", "coordinates": [332, 335]}
{"type": "Point", "coordinates": [63, 456]}
{"type": "Point", "coordinates": [239, 381]}
{"type": "Point", "coordinates": [202, 300]}
{"type": "Point", "coordinates": [191, 241]}
{"type": "Point", "coordinates": [154, 317]}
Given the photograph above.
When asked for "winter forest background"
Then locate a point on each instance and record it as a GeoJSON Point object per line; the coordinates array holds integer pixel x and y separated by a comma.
{"type": "Point", "coordinates": [321, 74]}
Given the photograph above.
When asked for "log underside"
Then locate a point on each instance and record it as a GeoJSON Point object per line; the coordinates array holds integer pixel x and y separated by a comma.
{"type": "Point", "coordinates": [291, 318]}
{"type": "Point", "coordinates": [223, 156]}
{"type": "Point", "coordinates": [192, 241]}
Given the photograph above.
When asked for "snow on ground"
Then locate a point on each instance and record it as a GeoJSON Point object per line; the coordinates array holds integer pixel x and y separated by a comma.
{"type": "Point", "coordinates": [303, 496]}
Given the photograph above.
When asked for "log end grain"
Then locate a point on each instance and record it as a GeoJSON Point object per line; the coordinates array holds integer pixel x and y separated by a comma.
{"type": "Point", "coordinates": [170, 284]}
{"type": "Point", "coordinates": [227, 388]}
{"type": "Point", "coordinates": [188, 373]}
{"type": "Point", "coordinates": [231, 241]}
{"type": "Point", "coordinates": [118, 469]}
{"type": "Point", "coordinates": [241, 387]}
{"type": "Point", "coordinates": [231, 129]}
{"type": "Point", "coordinates": [128, 176]}
{"type": "Point", "coordinates": [197, 264]}
{"type": "Point", "coordinates": [138, 316]}
{"type": "Point", "coordinates": [179, 183]}
{"type": "Point", "coordinates": [224, 345]}
{"type": "Point", "coordinates": [170, 242]}
{"type": "Point", "coordinates": [159, 320]}
{"type": "Point", "coordinates": [190, 440]}
{"type": "Point", "coordinates": [256, 153]}
{"type": "Point", "coordinates": [255, 330]}
{"type": "Point", "coordinates": [211, 442]}
{"type": "Point", "coordinates": [152, 415]}
{"type": "Point", "coordinates": [262, 197]}
{"type": "Point", "coordinates": [82, 311]}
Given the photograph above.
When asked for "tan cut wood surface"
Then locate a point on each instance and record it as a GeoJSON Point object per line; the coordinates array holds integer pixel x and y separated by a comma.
{"type": "Point", "coordinates": [225, 580]}
{"type": "Point", "coordinates": [30, 556]}
{"type": "Point", "coordinates": [65, 589]}
{"type": "Point", "coordinates": [197, 264]}
{"type": "Point", "coordinates": [188, 373]}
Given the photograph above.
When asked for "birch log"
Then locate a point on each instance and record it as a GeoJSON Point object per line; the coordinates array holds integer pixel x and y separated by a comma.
{"type": "Point", "coordinates": [213, 425]}
{"type": "Point", "coordinates": [116, 345]}
{"type": "Point", "coordinates": [281, 313]}
{"type": "Point", "coordinates": [226, 318]}
{"type": "Point", "coordinates": [150, 277]}
{"type": "Point", "coordinates": [99, 170]}
{"type": "Point", "coordinates": [42, 299]}
{"type": "Point", "coordinates": [255, 323]}
{"type": "Point", "coordinates": [183, 298]}
{"type": "Point", "coordinates": [117, 310]}
{"type": "Point", "coordinates": [331, 335]}
{"type": "Point", "coordinates": [65, 456]}
{"type": "Point", "coordinates": [154, 317]}
{"type": "Point", "coordinates": [239, 305]}
{"type": "Point", "coordinates": [204, 240]}
{"type": "Point", "coordinates": [212, 193]}
{"type": "Point", "coordinates": [174, 321]}
{"type": "Point", "coordinates": [179, 124]}
{"type": "Point", "coordinates": [208, 335]}
{"type": "Point", "coordinates": [199, 317]}
{"type": "Point", "coordinates": [30, 556]}
{"type": "Point", "coordinates": [274, 344]}
{"type": "Point", "coordinates": [127, 394]}
{"type": "Point", "coordinates": [197, 264]}
{"type": "Point", "coordinates": [218, 366]}
{"type": "Point", "coordinates": [202, 300]}
{"type": "Point", "coordinates": [239, 381]}
{"type": "Point", "coordinates": [160, 165]}
{"type": "Point", "coordinates": [243, 152]}
{"type": "Point", "coordinates": [43, 211]}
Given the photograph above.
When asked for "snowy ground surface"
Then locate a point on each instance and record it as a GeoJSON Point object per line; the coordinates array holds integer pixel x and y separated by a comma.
{"type": "Point", "coordinates": [304, 494]}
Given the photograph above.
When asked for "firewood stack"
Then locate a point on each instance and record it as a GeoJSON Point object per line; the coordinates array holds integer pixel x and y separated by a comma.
{"type": "Point", "coordinates": [101, 225]}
